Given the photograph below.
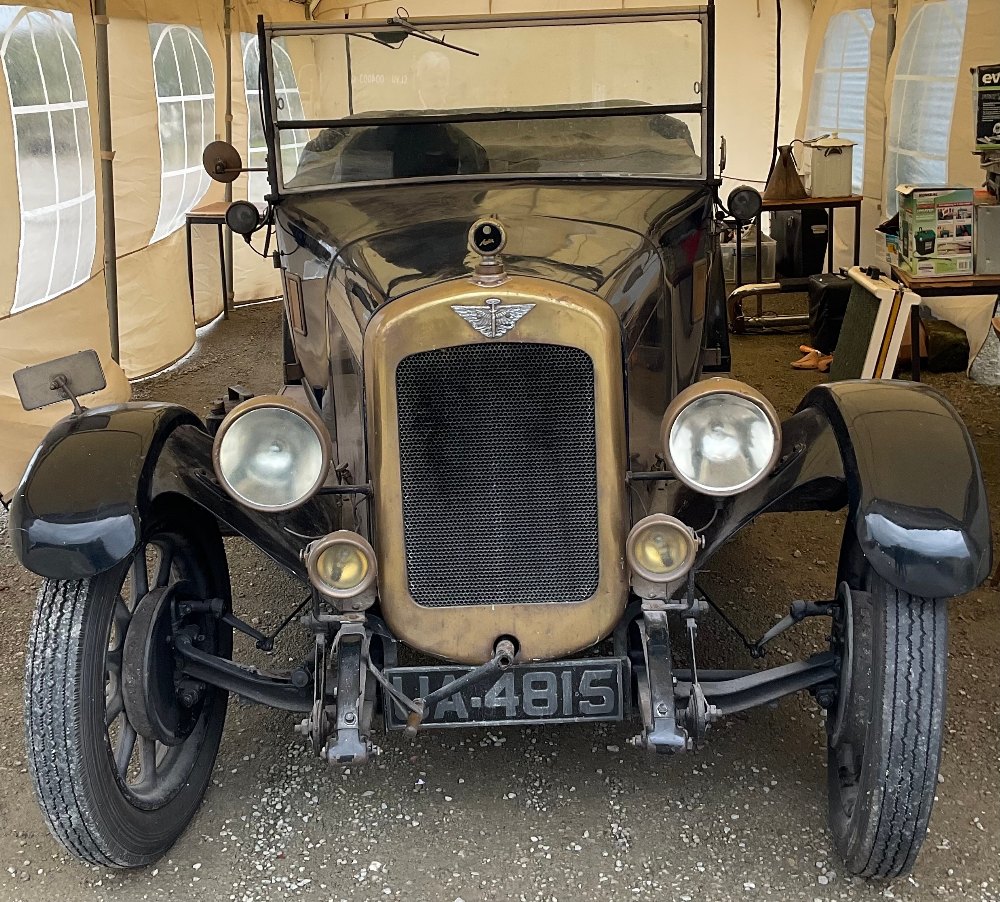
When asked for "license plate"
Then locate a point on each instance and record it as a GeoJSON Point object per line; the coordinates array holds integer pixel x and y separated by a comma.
{"type": "Point", "coordinates": [563, 692]}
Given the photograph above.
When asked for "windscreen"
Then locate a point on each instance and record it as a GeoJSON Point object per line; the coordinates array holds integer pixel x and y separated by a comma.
{"type": "Point", "coordinates": [620, 96]}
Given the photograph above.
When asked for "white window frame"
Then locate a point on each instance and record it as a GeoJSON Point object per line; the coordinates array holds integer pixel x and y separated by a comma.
{"type": "Point", "coordinates": [945, 81]}
{"type": "Point", "coordinates": [286, 90]}
{"type": "Point", "coordinates": [195, 180]}
{"type": "Point", "coordinates": [69, 201]}
{"type": "Point", "coordinates": [846, 27]}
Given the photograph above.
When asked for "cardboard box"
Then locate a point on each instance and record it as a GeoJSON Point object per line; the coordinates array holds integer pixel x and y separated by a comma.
{"type": "Point", "coordinates": [936, 231]}
{"type": "Point", "coordinates": [987, 107]}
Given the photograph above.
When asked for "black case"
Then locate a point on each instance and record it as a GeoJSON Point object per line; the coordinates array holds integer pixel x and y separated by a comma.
{"type": "Point", "coordinates": [801, 237]}
{"type": "Point", "coordinates": [828, 297]}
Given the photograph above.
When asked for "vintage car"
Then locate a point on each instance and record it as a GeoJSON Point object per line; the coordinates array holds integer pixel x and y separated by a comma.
{"type": "Point", "coordinates": [500, 457]}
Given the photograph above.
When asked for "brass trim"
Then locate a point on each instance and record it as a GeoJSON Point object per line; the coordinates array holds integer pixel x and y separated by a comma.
{"type": "Point", "coordinates": [278, 401]}
{"type": "Point", "coordinates": [424, 321]}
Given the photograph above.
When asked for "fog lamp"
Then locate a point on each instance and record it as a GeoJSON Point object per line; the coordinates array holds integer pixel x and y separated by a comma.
{"type": "Point", "coordinates": [721, 437]}
{"type": "Point", "coordinates": [270, 454]}
{"type": "Point", "coordinates": [661, 548]}
{"type": "Point", "coordinates": [341, 565]}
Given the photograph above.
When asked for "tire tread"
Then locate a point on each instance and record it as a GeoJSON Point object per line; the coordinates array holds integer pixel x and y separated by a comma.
{"type": "Point", "coordinates": [52, 720]}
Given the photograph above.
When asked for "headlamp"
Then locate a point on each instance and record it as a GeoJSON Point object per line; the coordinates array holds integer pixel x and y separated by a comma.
{"type": "Point", "coordinates": [270, 454]}
{"type": "Point", "coordinates": [721, 437]}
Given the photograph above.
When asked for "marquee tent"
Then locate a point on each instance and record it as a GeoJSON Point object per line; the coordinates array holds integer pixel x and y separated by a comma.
{"type": "Point", "coordinates": [849, 65]}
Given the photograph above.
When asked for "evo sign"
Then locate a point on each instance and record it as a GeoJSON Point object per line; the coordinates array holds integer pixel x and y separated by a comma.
{"type": "Point", "coordinates": [988, 107]}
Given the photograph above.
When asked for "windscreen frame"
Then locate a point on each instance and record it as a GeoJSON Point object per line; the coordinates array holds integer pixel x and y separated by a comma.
{"type": "Point", "coordinates": [704, 107]}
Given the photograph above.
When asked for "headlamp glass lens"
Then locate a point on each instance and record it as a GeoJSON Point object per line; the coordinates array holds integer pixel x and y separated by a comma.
{"type": "Point", "coordinates": [271, 457]}
{"type": "Point", "coordinates": [721, 442]}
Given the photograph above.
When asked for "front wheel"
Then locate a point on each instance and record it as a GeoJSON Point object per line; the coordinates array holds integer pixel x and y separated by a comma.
{"type": "Point", "coordinates": [884, 735]}
{"type": "Point", "coordinates": [120, 744]}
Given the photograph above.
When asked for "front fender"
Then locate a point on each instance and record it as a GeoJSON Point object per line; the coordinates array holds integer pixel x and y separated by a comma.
{"type": "Point", "coordinates": [77, 511]}
{"type": "Point", "coordinates": [898, 455]}
{"type": "Point", "coordinates": [915, 488]}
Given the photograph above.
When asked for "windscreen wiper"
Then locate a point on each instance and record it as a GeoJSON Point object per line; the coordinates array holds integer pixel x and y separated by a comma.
{"type": "Point", "coordinates": [407, 29]}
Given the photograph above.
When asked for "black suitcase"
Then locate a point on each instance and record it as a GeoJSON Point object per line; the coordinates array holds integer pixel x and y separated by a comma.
{"type": "Point", "coordinates": [828, 297]}
{"type": "Point", "coordinates": [801, 236]}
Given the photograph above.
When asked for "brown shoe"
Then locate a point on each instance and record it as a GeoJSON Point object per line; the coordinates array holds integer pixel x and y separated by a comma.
{"type": "Point", "coordinates": [809, 360]}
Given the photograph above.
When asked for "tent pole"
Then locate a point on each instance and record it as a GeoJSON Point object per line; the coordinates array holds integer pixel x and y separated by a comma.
{"type": "Point", "coordinates": [227, 302]}
{"type": "Point", "coordinates": [107, 173]}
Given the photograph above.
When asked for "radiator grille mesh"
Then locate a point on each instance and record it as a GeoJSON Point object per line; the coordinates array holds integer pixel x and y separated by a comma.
{"type": "Point", "coordinates": [498, 466]}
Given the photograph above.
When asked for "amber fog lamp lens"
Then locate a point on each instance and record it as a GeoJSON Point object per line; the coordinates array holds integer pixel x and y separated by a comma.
{"type": "Point", "coordinates": [722, 438]}
{"type": "Point", "coordinates": [341, 565]}
{"type": "Point", "coordinates": [271, 455]}
{"type": "Point", "coordinates": [661, 548]}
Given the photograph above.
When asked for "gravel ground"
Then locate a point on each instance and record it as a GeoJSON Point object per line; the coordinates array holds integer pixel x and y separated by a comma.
{"type": "Point", "coordinates": [564, 813]}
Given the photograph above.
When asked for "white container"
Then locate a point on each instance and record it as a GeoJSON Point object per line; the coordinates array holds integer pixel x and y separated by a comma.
{"type": "Point", "coordinates": [831, 166]}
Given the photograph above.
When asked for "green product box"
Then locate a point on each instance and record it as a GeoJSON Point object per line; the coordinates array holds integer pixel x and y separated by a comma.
{"type": "Point", "coordinates": [935, 231]}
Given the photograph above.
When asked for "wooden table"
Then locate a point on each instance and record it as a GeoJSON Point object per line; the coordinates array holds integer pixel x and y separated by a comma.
{"type": "Point", "coordinates": [941, 286]}
{"type": "Point", "coordinates": [209, 214]}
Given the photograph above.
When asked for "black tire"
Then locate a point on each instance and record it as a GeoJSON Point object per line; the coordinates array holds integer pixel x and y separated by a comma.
{"type": "Point", "coordinates": [76, 637]}
{"type": "Point", "coordinates": [885, 733]}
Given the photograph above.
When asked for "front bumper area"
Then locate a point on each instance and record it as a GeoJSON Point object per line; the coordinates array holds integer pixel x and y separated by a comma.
{"type": "Point", "coordinates": [354, 672]}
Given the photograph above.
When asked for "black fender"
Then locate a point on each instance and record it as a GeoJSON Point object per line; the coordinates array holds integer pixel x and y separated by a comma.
{"type": "Point", "coordinates": [80, 505]}
{"type": "Point", "coordinates": [899, 457]}
{"type": "Point", "coordinates": [77, 511]}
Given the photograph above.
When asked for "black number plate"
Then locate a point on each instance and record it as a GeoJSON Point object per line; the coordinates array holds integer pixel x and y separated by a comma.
{"type": "Point", "coordinates": [562, 692]}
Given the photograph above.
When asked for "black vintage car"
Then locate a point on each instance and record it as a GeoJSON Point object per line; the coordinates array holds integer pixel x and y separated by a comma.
{"type": "Point", "coordinates": [498, 450]}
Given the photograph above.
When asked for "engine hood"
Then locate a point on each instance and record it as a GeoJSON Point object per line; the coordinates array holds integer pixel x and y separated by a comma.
{"type": "Point", "coordinates": [402, 238]}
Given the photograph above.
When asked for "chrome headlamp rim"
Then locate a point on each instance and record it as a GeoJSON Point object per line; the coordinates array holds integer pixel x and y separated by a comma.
{"type": "Point", "coordinates": [719, 385]}
{"type": "Point", "coordinates": [661, 578]}
{"type": "Point", "coordinates": [309, 416]}
{"type": "Point", "coordinates": [315, 550]}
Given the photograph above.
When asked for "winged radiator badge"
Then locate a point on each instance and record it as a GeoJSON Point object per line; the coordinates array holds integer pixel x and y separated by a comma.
{"type": "Point", "coordinates": [494, 318]}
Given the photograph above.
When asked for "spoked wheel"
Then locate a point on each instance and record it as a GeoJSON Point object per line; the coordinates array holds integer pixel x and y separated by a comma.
{"type": "Point", "coordinates": [884, 735]}
{"type": "Point", "coordinates": [120, 744]}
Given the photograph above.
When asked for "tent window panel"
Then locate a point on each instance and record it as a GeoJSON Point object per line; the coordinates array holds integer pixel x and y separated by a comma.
{"type": "Point", "coordinates": [839, 98]}
{"type": "Point", "coordinates": [53, 152]}
{"type": "Point", "coordinates": [185, 102]}
{"type": "Point", "coordinates": [923, 97]}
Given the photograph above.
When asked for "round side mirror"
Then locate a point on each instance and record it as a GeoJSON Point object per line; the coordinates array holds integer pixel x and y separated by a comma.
{"type": "Point", "coordinates": [243, 217]}
{"type": "Point", "coordinates": [222, 161]}
{"type": "Point", "coordinates": [745, 203]}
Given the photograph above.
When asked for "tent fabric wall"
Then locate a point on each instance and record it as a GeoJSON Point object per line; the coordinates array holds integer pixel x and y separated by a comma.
{"type": "Point", "coordinates": [157, 320]}
{"type": "Point", "coordinates": [871, 209]}
{"type": "Point", "coordinates": [980, 47]}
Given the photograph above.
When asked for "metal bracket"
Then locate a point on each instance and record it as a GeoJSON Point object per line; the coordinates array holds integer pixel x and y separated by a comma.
{"type": "Point", "coordinates": [661, 732]}
{"type": "Point", "coordinates": [350, 743]}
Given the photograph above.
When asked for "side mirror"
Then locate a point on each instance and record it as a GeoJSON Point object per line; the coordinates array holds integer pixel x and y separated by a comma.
{"type": "Point", "coordinates": [745, 204]}
{"type": "Point", "coordinates": [222, 161]}
{"type": "Point", "coordinates": [243, 218]}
